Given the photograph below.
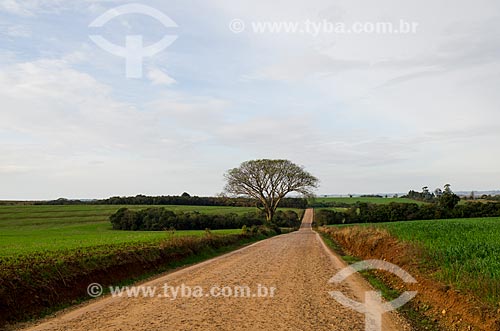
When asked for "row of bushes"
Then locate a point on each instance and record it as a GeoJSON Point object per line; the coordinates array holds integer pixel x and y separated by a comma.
{"type": "Point", "coordinates": [328, 204]}
{"type": "Point", "coordinates": [373, 213]}
{"type": "Point", "coordinates": [184, 199]}
{"type": "Point", "coordinates": [158, 219]}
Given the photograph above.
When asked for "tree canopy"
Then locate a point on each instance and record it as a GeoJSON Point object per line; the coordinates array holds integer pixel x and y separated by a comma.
{"type": "Point", "coordinates": [268, 182]}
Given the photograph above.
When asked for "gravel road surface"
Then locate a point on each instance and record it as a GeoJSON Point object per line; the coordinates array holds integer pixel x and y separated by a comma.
{"type": "Point", "coordinates": [297, 265]}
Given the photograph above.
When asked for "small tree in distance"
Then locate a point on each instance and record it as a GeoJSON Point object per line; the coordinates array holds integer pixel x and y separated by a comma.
{"type": "Point", "coordinates": [268, 182]}
{"type": "Point", "coordinates": [448, 199]}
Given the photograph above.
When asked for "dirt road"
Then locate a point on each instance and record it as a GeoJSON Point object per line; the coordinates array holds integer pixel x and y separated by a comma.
{"type": "Point", "coordinates": [297, 265]}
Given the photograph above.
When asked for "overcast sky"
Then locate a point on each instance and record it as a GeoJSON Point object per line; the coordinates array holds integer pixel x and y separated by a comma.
{"type": "Point", "coordinates": [363, 112]}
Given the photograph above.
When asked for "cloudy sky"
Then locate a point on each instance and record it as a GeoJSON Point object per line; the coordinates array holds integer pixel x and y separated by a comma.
{"type": "Point", "coordinates": [364, 112]}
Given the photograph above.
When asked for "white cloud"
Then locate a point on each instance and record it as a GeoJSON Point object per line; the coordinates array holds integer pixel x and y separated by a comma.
{"type": "Point", "coordinates": [159, 77]}
{"type": "Point", "coordinates": [71, 113]}
{"type": "Point", "coordinates": [31, 7]}
{"type": "Point", "coordinates": [62, 126]}
{"type": "Point", "coordinates": [14, 7]}
{"type": "Point", "coordinates": [365, 113]}
{"type": "Point", "coordinates": [18, 31]}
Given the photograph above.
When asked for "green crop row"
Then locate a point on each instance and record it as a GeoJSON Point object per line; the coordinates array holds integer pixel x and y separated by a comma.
{"type": "Point", "coordinates": [466, 252]}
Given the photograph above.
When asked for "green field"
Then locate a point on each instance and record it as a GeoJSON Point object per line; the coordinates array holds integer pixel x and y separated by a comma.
{"type": "Point", "coordinates": [32, 229]}
{"type": "Point", "coordinates": [353, 200]}
{"type": "Point", "coordinates": [65, 247]}
{"type": "Point", "coordinates": [466, 252]}
{"type": "Point", "coordinates": [339, 209]}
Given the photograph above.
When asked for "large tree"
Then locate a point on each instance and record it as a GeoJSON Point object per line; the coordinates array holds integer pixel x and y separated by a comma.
{"type": "Point", "coordinates": [269, 181]}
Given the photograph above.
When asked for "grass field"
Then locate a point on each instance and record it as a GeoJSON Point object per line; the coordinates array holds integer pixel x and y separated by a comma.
{"type": "Point", "coordinates": [456, 262]}
{"type": "Point", "coordinates": [353, 200]}
{"type": "Point", "coordinates": [466, 252]}
{"type": "Point", "coordinates": [32, 229]}
{"type": "Point", "coordinates": [64, 248]}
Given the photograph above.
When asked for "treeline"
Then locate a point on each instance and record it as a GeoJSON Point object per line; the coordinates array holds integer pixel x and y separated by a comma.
{"type": "Point", "coordinates": [158, 219]}
{"type": "Point", "coordinates": [441, 196]}
{"type": "Point", "coordinates": [184, 199]}
{"type": "Point", "coordinates": [393, 212]}
{"type": "Point", "coordinates": [488, 197]}
{"type": "Point", "coordinates": [329, 204]}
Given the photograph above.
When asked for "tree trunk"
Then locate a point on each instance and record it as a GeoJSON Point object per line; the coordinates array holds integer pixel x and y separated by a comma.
{"type": "Point", "coordinates": [269, 215]}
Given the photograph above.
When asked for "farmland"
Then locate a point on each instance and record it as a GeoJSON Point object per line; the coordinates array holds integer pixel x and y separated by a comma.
{"type": "Point", "coordinates": [465, 251]}
{"type": "Point", "coordinates": [456, 262]}
{"type": "Point", "coordinates": [353, 200]}
{"type": "Point", "coordinates": [341, 204]}
{"type": "Point", "coordinates": [42, 245]}
{"type": "Point", "coordinates": [30, 229]}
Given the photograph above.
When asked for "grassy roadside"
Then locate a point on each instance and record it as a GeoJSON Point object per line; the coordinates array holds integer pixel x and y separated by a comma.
{"type": "Point", "coordinates": [409, 311]}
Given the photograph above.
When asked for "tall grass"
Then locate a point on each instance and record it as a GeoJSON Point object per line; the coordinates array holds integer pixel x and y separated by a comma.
{"type": "Point", "coordinates": [465, 252]}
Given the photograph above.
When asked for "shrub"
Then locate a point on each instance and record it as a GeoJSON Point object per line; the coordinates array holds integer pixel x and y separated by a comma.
{"type": "Point", "coordinates": [393, 212]}
{"type": "Point", "coordinates": [286, 219]}
{"type": "Point", "coordinates": [161, 219]}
